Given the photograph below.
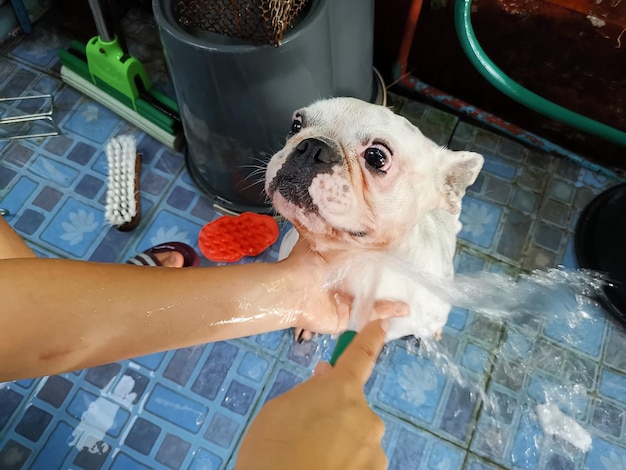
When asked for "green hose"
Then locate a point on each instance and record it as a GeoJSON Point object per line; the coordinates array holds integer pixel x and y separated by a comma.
{"type": "Point", "coordinates": [495, 76]}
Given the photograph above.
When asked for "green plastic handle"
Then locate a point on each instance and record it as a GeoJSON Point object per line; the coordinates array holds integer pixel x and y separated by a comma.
{"type": "Point", "coordinates": [343, 341]}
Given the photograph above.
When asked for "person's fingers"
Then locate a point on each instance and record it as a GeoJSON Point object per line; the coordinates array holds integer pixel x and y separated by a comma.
{"type": "Point", "coordinates": [301, 246]}
{"type": "Point", "coordinates": [360, 356]}
{"type": "Point", "coordinates": [321, 369]}
{"type": "Point", "coordinates": [390, 309]}
{"type": "Point", "coordinates": [342, 309]}
{"type": "Point", "coordinates": [378, 460]}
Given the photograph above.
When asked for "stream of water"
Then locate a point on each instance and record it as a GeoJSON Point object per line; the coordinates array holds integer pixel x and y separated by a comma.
{"type": "Point", "coordinates": [522, 308]}
{"type": "Point", "coordinates": [558, 303]}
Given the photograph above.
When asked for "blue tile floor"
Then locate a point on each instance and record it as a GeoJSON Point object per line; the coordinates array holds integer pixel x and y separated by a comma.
{"type": "Point", "coordinates": [189, 408]}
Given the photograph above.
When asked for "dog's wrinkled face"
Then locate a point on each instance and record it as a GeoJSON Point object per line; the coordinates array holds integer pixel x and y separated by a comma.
{"type": "Point", "coordinates": [354, 174]}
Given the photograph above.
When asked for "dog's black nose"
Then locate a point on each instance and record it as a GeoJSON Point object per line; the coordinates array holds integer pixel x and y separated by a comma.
{"type": "Point", "coordinates": [310, 158]}
{"type": "Point", "coordinates": [318, 150]}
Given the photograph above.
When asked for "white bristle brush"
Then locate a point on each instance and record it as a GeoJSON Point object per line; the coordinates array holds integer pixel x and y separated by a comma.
{"type": "Point", "coordinates": [122, 202]}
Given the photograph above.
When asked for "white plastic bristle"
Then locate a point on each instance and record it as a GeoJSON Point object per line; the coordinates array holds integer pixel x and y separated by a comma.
{"type": "Point", "coordinates": [121, 206]}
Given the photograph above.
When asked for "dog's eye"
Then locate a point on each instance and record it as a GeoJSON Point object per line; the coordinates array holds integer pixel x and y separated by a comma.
{"type": "Point", "coordinates": [296, 126]}
{"type": "Point", "coordinates": [376, 158]}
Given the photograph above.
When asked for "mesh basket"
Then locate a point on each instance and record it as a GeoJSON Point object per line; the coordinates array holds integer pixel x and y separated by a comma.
{"type": "Point", "coordinates": [258, 21]}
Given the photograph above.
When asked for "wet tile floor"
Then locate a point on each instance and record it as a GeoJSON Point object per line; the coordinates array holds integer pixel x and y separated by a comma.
{"type": "Point", "coordinates": [189, 408]}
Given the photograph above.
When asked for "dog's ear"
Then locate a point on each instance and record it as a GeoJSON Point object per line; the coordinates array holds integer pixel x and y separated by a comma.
{"type": "Point", "coordinates": [459, 171]}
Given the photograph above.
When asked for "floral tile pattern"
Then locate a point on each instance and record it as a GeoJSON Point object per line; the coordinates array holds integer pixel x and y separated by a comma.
{"type": "Point", "coordinates": [469, 403]}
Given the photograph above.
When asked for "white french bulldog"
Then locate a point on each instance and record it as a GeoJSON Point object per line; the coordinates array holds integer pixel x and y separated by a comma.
{"type": "Point", "coordinates": [368, 190]}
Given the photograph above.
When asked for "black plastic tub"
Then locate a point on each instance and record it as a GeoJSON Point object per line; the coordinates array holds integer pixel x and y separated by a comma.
{"type": "Point", "coordinates": [599, 244]}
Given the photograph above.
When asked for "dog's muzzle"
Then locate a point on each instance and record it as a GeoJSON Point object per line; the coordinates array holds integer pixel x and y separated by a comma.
{"type": "Point", "coordinates": [310, 158]}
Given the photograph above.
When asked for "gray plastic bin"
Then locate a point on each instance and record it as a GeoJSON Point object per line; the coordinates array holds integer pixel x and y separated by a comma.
{"type": "Point", "coordinates": [236, 99]}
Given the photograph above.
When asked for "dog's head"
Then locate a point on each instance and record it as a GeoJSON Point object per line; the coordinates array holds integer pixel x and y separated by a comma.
{"type": "Point", "coordinates": [354, 174]}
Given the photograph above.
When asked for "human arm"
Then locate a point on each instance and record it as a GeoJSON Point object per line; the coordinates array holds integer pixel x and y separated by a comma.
{"type": "Point", "coordinates": [324, 422]}
{"type": "Point", "coordinates": [60, 315]}
{"type": "Point", "coordinates": [65, 315]}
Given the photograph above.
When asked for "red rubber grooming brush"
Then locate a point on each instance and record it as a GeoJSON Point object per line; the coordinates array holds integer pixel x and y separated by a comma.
{"type": "Point", "coordinates": [230, 238]}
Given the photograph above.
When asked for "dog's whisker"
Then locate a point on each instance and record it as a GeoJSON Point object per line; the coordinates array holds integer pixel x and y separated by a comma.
{"type": "Point", "coordinates": [257, 175]}
{"type": "Point", "coordinates": [269, 152]}
{"type": "Point", "coordinates": [253, 183]}
{"type": "Point", "coordinates": [261, 161]}
{"type": "Point", "coordinates": [254, 167]}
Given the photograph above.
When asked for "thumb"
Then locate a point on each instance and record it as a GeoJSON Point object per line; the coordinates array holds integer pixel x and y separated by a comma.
{"type": "Point", "coordinates": [359, 358]}
{"type": "Point", "coordinates": [321, 369]}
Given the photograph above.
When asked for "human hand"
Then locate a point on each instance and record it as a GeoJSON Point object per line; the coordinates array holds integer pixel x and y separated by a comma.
{"type": "Point", "coordinates": [325, 422]}
{"type": "Point", "coordinates": [318, 309]}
